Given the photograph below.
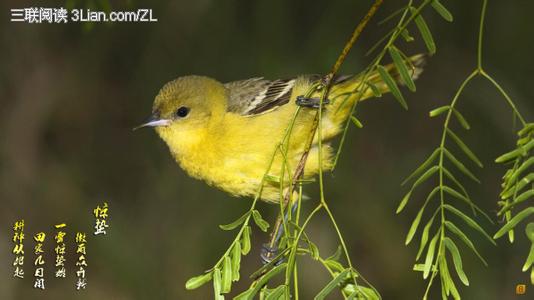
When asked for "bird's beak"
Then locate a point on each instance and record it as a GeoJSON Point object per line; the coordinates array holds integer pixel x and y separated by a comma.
{"type": "Point", "coordinates": [154, 121]}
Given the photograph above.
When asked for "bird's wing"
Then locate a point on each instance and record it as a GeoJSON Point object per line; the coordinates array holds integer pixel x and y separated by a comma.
{"type": "Point", "coordinates": [257, 95]}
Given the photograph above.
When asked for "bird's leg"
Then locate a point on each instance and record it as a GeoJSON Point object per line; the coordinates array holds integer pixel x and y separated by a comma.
{"type": "Point", "coordinates": [310, 102]}
{"type": "Point", "coordinates": [270, 250]}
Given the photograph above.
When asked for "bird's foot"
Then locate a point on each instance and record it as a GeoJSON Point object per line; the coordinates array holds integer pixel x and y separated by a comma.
{"type": "Point", "coordinates": [269, 253]}
{"type": "Point", "coordinates": [310, 102]}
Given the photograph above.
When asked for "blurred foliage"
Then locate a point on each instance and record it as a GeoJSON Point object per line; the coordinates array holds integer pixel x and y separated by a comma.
{"type": "Point", "coordinates": [70, 97]}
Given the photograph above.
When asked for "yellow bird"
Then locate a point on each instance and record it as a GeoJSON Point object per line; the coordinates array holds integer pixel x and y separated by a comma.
{"type": "Point", "coordinates": [227, 133]}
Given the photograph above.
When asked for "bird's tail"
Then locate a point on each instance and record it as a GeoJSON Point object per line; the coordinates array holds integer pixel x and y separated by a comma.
{"type": "Point", "coordinates": [348, 90]}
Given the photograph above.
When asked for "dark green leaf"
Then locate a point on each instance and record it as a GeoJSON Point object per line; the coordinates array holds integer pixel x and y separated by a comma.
{"type": "Point", "coordinates": [460, 165]}
{"type": "Point", "coordinates": [332, 285]}
{"type": "Point", "coordinates": [400, 64]}
{"type": "Point", "coordinates": [442, 10]}
{"type": "Point", "coordinates": [392, 85]}
{"type": "Point", "coordinates": [464, 147]}
{"type": "Point", "coordinates": [374, 89]}
{"type": "Point", "coordinates": [423, 166]}
{"type": "Point", "coordinates": [425, 33]}
{"type": "Point", "coordinates": [461, 119]}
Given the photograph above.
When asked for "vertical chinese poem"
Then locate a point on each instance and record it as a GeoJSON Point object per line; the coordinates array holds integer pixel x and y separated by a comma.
{"type": "Point", "coordinates": [81, 263]}
{"type": "Point", "coordinates": [60, 250]}
{"type": "Point", "coordinates": [39, 261]}
{"type": "Point", "coordinates": [101, 215]}
{"type": "Point", "coordinates": [18, 249]}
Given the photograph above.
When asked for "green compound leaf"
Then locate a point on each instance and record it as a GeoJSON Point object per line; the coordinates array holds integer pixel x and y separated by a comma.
{"type": "Point", "coordinates": [402, 68]}
{"type": "Point", "coordinates": [452, 228]}
{"type": "Point", "coordinates": [226, 276]}
{"type": "Point", "coordinates": [332, 285]}
{"type": "Point", "coordinates": [469, 222]}
{"type": "Point", "coordinates": [461, 119]}
{"type": "Point", "coordinates": [423, 166]}
{"type": "Point", "coordinates": [460, 165]}
{"type": "Point", "coordinates": [516, 188]}
{"type": "Point", "coordinates": [198, 281]}
{"type": "Point", "coordinates": [392, 85]}
{"type": "Point", "coordinates": [236, 261]}
{"type": "Point", "coordinates": [425, 33]}
{"type": "Point", "coordinates": [514, 221]}
{"type": "Point", "coordinates": [430, 255]}
{"type": "Point", "coordinates": [424, 237]}
{"type": "Point", "coordinates": [442, 10]}
{"type": "Point", "coordinates": [521, 151]}
{"type": "Point", "coordinates": [235, 223]}
{"type": "Point", "coordinates": [245, 240]}
{"type": "Point", "coordinates": [464, 148]}
{"type": "Point", "coordinates": [278, 293]}
{"type": "Point", "coordinates": [438, 111]}
{"type": "Point", "coordinates": [356, 122]}
{"type": "Point", "coordinates": [217, 284]}
{"type": "Point", "coordinates": [262, 224]}
{"type": "Point", "coordinates": [457, 260]}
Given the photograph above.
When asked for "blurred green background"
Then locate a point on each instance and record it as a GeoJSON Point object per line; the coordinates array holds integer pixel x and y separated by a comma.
{"type": "Point", "coordinates": [70, 95]}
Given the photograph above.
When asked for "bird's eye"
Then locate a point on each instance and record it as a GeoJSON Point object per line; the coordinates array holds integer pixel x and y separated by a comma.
{"type": "Point", "coordinates": [182, 111]}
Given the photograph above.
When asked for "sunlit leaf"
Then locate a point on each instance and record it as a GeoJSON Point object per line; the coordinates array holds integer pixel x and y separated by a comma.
{"type": "Point", "coordinates": [430, 255]}
{"type": "Point", "coordinates": [424, 237]}
{"type": "Point", "coordinates": [516, 219]}
{"type": "Point", "coordinates": [236, 261]}
{"type": "Point", "coordinates": [217, 284]}
{"type": "Point", "coordinates": [414, 226]}
{"type": "Point", "coordinates": [465, 239]}
{"type": "Point", "coordinates": [469, 222]}
{"type": "Point", "coordinates": [404, 201]}
{"type": "Point", "coordinates": [356, 122]}
{"type": "Point", "coordinates": [262, 224]}
{"type": "Point", "coordinates": [235, 223]}
{"type": "Point", "coordinates": [457, 260]}
{"type": "Point", "coordinates": [278, 293]}
{"type": "Point", "coordinates": [198, 281]}
{"type": "Point", "coordinates": [245, 240]}
{"type": "Point", "coordinates": [226, 275]}
{"type": "Point", "coordinates": [438, 111]}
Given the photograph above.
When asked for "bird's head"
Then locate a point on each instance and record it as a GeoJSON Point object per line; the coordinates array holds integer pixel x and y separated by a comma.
{"type": "Point", "coordinates": [186, 108]}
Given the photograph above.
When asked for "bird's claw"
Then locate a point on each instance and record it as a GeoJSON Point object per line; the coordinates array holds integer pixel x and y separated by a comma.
{"type": "Point", "coordinates": [268, 253]}
{"type": "Point", "coordinates": [310, 102]}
